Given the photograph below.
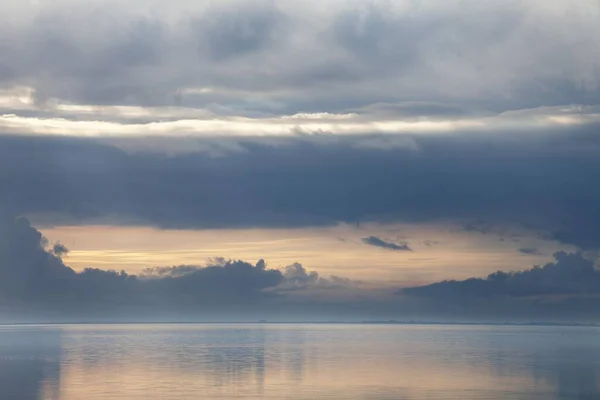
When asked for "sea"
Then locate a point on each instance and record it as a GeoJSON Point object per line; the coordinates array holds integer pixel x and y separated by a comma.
{"type": "Point", "coordinates": [299, 361]}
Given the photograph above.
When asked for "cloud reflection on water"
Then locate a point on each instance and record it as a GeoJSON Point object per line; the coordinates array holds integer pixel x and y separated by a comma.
{"type": "Point", "coordinates": [298, 361]}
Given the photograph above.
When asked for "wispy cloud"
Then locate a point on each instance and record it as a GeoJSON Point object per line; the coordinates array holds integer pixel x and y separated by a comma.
{"type": "Point", "coordinates": [377, 242]}
{"type": "Point", "coordinates": [529, 251]}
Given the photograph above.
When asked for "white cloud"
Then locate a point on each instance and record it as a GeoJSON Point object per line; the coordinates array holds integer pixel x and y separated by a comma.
{"type": "Point", "coordinates": [92, 120]}
{"type": "Point", "coordinates": [270, 68]}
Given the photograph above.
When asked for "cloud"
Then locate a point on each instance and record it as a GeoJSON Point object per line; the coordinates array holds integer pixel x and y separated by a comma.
{"type": "Point", "coordinates": [231, 32]}
{"type": "Point", "coordinates": [529, 251]}
{"type": "Point", "coordinates": [171, 272]}
{"type": "Point", "coordinates": [220, 279]}
{"type": "Point", "coordinates": [569, 274]}
{"type": "Point", "coordinates": [377, 242]}
{"type": "Point", "coordinates": [33, 275]}
{"type": "Point", "coordinates": [34, 279]}
{"type": "Point", "coordinates": [276, 58]}
{"type": "Point", "coordinates": [311, 180]}
{"type": "Point", "coordinates": [27, 271]}
{"type": "Point", "coordinates": [296, 277]}
{"type": "Point", "coordinates": [59, 250]}
{"type": "Point", "coordinates": [36, 285]}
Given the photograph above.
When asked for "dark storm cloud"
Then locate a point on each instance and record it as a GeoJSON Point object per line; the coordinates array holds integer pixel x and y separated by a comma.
{"type": "Point", "coordinates": [569, 274]}
{"type": "Point", "coordinates": [32, 275]}
{"type": "Point", "coordinates": [545, 182]}
{"type": "Point", "coordinates": [377, 242]}
{"type": "Point", "coordinates": [27, 270]}
{"type": "Point", "coordinates": [34, 279]}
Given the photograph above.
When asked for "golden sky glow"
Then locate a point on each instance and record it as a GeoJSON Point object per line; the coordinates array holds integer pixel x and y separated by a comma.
{"type": "Point", "coordinates": [439, 252]}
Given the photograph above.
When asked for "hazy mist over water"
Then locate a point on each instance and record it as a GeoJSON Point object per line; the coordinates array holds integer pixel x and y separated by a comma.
{"type": "Point", "coordinates": [298, 361]}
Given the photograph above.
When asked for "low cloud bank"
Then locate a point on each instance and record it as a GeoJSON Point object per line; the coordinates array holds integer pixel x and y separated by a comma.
{"type": "Point", "coordinates": [36, 285]}
{"type": "Point", "coordinates": [569, 274]}
{"type": "Point", "coordinates": [33, 274]}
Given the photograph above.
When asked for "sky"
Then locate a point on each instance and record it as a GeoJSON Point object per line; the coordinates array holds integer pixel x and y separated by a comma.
{"type": "Point", "coordinates": [384, 146]}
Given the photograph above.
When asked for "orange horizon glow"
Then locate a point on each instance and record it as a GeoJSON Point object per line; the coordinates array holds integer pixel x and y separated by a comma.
{"type": "Point", "coordinates": [337, 250]}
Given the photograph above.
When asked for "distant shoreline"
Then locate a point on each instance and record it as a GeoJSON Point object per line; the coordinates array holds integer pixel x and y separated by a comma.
{"type": "Point", "coordinates": [414, 323]}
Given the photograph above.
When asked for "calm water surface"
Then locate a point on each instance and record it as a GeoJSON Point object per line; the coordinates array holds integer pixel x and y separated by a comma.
{"type": "Point", "coordinates": [298, 362]}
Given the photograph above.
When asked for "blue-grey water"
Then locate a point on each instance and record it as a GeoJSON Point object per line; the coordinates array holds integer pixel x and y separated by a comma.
{"type": "Point", "coordinates": [246, 361]}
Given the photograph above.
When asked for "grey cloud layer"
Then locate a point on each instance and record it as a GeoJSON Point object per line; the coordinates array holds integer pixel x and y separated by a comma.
{"type": "Point", "coordinates": [266, 57]}
{"type": "Point", "coordinates": [545, 182]}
